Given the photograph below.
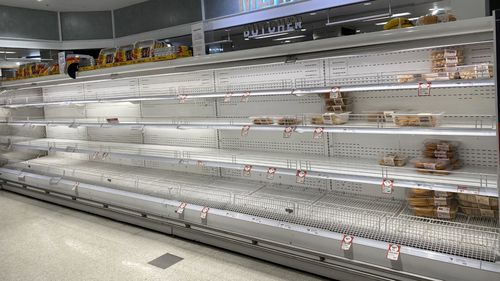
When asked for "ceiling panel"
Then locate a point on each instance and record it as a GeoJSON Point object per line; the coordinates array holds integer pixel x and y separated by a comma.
{"type": "Point", "coordinates": [71, 5]}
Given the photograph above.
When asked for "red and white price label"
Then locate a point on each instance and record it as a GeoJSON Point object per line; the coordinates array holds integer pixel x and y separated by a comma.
{"type": "Point", "coordinates": [244, 130]}
{"type": "Point", "coordinates": [424, 92]}
{"type": "Point", "coordinates": [393, 252]}
{"type": "Point", "coordinates": [181, 208]}
{"type": "Point", "coordinates": [335, 93]}
{"type": "Point", "coordinates": [346, 242]}
{"type": "Point", "coordinates": [75, 186]}
{"type": "Point", "coordinates": [270, 173]}
{"type": "Point", "coordinates": [301, 176]}
{"type": "Point", "coordinates": [247, 170]}
{"type": "Point", "coordinates": [227, 97]}
{"type": "Point", "coordinates": [288, 132]}
{"type": "Point", "coordinates": [387, 186]}
{"type": "Point", "coordinates": [204, 213]}
{"type": "Point", "coordinates": [245, 96]}
{"type": "Point", "coordinates": [318, 133]}
{"type": "Point", "coordinates": [468, 189]}
{"type": "Point", "coordinates": [182, 98]}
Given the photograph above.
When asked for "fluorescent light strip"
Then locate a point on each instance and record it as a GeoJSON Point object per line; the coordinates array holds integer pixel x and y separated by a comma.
{"type": "Point", "coordinates": [401, 14]}
{"type": "Point", "coordinates": [358, 19]}
{"type": "Point", "coordinates": [289, 38]}
{"type": "Point", "coordinates": [269, 35]}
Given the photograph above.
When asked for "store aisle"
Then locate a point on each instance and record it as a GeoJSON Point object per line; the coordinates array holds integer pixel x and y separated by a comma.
{"type": "Point", "coordinates": [42, 241]}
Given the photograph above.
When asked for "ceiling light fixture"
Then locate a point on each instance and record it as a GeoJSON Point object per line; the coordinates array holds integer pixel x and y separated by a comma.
{"type": "Point", "coordinates": [400, 14]}
{"type": "Point", "coordinates": [366, 18]}
{"type": "Point", "coordinates": [289, 38]}
{"type": "Point", "coordinates": [7, 52]}
{"type": "Point", "coordinates": [381, 23]}
{"type": "Point", "coordinates": [270, 35]}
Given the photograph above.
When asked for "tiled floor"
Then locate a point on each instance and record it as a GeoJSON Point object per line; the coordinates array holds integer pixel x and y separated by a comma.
{"type": "Point", "coordinates": [42, 241]}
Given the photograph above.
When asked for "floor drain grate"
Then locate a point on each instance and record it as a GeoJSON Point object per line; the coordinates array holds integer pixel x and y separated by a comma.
{"type": "Point", "coordinates": [165, 261]}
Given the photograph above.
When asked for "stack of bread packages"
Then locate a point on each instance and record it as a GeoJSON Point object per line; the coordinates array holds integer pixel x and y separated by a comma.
{"type": "Point", "coordinates": [445, 64]}
{"type": "Point", "coordinates": [439, 158]}
{"type": "Point", "coordinates": [432, 204]}
{"type": "Point", "coordinates": [478, 205]}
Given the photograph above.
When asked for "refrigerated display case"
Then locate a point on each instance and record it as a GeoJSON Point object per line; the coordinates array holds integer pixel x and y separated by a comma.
{"type": "Point", "coordinates": [229, 150]}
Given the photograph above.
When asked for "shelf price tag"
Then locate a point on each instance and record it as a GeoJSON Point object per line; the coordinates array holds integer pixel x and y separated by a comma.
{"type": "Point", "coordinates": [244, 130]}
{"type": "Point", "coordinates": [227, 97]}
{"type": "Point", "coordinates": [182, 98]}
{"type": "Point", "coordinates": [301, 176]}
{"type": "Point", "coordinates": [288, 132]}
{"type": "Point", "coordinates": [468, 189]}
{"type": "Point", "coordinates": [387, 186]}
{"type": "Point", "coordinates": [181, 208]}
{"type": "Point", "coordinates": [393, 252]}
{"type": "Point", "coordinates": [421, 92]}
{"type": "Point", "coordinates": [200, 163]}
{"type": "Point", "coordinates": [75, 186]}
{"type": "Point", "coordinates": [335, 93]}
{"type": "Point", "coordinates": [204, 213]}
{"type": "Point", "coordinates": [270, 173]}
{"type": "Point", "coordinates": [346, 242]}
{"type": "Point", "coordinates": [247, 170]}
{"type": "Point", "coordinates": [318, 133]}
{"type": "Point", "coordinates": [245, 97]}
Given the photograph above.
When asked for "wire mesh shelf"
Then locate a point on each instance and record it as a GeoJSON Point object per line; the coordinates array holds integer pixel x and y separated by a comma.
{"type": "Point", "coordinates": [380, 219]}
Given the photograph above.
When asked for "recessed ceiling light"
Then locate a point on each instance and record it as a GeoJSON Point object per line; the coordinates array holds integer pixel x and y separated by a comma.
{"type": "Point", "coordinates": [18, 63]}
{"type": "Point", "coordinates": [367, 4]}
{"type": "Point", "coordinates": [39, 0]}
{"type": "Point", "coordinates": [7, 52]}
{"type": "Point", "coordinates": [312, 14]}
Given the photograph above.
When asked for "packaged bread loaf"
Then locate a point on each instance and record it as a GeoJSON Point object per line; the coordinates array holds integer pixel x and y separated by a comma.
{"type": "Point", "coordinates": [263, 120]}
{"type": "Point", "coordinates": [393, 159]}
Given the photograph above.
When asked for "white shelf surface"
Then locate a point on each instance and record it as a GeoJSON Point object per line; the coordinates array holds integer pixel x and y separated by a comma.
{"type": "Point", "coordinates": [16, 102]}
{"type": "Point", "coordinates": [478, 126]}
{"type": "Point", "coordinates": [478, 180]}
{"type": "Point", "coordinates": [363, 216]}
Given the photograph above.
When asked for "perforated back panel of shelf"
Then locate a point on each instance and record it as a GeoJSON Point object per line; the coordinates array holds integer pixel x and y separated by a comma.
{"type": "Point", "coordinates": [198, 107]}
{"type": "Point", "coordinates": [122, 109]}
{"type": "Point", "coordinates": [273, 141]}
{"type": "Point", "coordinates": [62, 132]}
{"type": "Point", "coordinates": [258, 106]}
{"type": "Point", "coordinates": [184, 83]}
{"type": "Point", "coordinates": [68, 111]}
{"type": "Point", "coordinates": [271, 76]}
{"type": "Point", "coordinates": [195, 138]}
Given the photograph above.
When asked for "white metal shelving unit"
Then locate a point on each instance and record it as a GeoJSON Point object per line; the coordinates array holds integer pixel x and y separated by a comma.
{"type": "Point", "coordinates": [165, 145]}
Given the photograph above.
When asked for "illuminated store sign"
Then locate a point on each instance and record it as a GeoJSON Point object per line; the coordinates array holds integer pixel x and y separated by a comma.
{"type": "Point", "coordinates": [252, 5]}
{"type": "Point", "coordinates": [272, 28]}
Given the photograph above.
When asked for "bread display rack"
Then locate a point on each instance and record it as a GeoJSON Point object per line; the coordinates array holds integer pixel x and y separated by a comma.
{"type": "Point", "coordinates": [288, 160]}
